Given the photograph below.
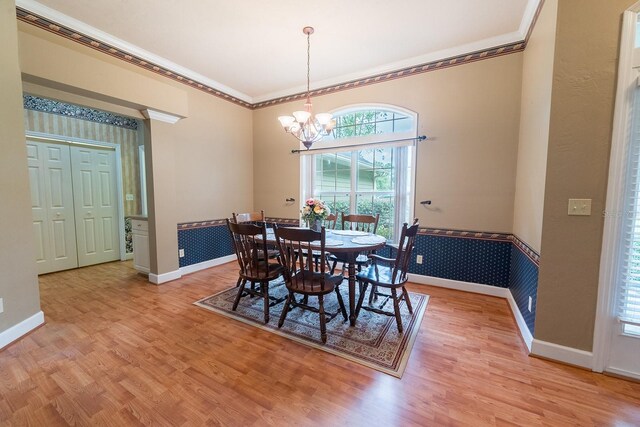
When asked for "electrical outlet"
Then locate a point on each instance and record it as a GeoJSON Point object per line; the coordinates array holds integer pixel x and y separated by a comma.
{"type": "Point", "coordinates": [1, 305]}
{"type": "Point", "coordinates": [419, 259]}
{"type": "Point", "coordinates": [530, 304]}
{"type": "Point", "coordinates": [130, 197]}
{"type": "Point", "coordinates": [181, 253]}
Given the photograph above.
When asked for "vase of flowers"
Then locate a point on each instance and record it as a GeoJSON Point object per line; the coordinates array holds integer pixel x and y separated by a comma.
{"type": "Point", "coordinates": [314, 212]}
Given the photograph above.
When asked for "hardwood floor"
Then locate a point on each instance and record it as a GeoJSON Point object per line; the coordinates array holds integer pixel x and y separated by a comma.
{"type": "Point", "coordinates": [117, 350]}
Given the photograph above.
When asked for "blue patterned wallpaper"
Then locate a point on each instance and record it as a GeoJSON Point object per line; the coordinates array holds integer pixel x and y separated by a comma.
{"type": "Point", "coordinates": [523, 281]}
{"type": "Point", "coordinates": [491, 259]}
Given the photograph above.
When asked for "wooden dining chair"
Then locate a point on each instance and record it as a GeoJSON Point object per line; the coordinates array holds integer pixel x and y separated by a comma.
{"type": "Point", "coordinates": [250, 245]}
{"type": "Point", "coordinates": [240, 218]}
{"type": "Point", "coordinates": [393, 276]}
{"type": "Point", "coordinates": [254, 218]}
{"type": "Point", "coordinates": [301, 277]}
{"type": "Point", "coordinates": [366, 223]}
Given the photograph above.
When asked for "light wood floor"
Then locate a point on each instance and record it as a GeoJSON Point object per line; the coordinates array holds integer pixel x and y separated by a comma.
{"type": "Point", "coordinates": [119, 351]}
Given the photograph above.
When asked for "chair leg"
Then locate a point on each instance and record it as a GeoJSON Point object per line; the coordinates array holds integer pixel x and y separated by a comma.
{"type": "Point", "coordinates": [264, 287]}
{"type": "Point", "coordinates": [405, 295]}
{"type": "Point", "coordinates": [333, 267]}
{"type": "Point", "coordinates": [239, 295]}
{"type": "Point", "coordinates": [361, 298]}
{"type": "Point", "coordinates": [323, 321]}
{"type": "Point", "coordinates": [373, 296]}
{"type": "Point", "coordinates": [341, 304]}
{"type": "Point", "coordinates": [285, 309]}
{"type": "Point", "coordinates": [396, 308]}
{"type": "Point", "coordinates": [239, 281]}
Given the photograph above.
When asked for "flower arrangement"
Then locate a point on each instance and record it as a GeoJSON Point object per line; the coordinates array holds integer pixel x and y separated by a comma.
{"type": "Point", "coordinates": [314, 209]}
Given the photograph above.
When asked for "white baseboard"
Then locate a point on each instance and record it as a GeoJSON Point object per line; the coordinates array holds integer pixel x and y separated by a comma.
{"type": "Point", "coordinates": [525, 333]}
{"type": "Point", "coordinates": [476, 288]}
{"type": "Point", "coordinates": [569, 355]}
{"type": "Point", "coordinates": [206, 264]}
{"type": "Point", "coordinates": [159, 279]}
{"type": "Point", "coordinates": [16, 331]}
{"type": "Point", "coordinates": [622, 373]}
{"type": "Point", "coordinates": [480, 289]}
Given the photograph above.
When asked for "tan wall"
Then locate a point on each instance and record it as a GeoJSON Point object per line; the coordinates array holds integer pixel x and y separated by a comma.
{"type": "Point", "coordinates": [19, 281]}
{"type": "Point", "coordinates": [586, 57]}
{"type": "Point", "coordinates": [468, 170]}
{"type": "Point", "coordinates": [535, 113]}
{"type": "Point", "coordinates": [204, 167]}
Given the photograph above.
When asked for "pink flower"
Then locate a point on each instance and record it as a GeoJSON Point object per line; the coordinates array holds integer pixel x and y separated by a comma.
{"type": "Point", "coordinates": [310, 202]}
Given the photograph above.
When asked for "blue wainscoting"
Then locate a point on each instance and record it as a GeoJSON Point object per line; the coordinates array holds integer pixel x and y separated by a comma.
{"type": "Point", "coordinates": [495, 259]}
{"type": "Point", "coordinates": [204, 241]}
{"type": "Point", "coordinates": [466, 256]}
{"type": "Point", "coordinates": [523, 280]}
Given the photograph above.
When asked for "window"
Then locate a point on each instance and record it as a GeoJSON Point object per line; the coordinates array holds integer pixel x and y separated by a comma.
{"type": "Point", "coordinates": [363, 168]}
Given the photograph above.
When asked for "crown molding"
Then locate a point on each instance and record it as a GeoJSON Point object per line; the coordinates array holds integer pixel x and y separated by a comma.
{"type": "Point", "coordinates": [160, 116]}
{"type": "Point", "coordinates": [34, 13]}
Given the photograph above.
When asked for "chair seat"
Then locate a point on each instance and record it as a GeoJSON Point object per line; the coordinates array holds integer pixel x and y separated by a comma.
{"type": "Point", "coordinates": [266, 271]}
{"type": "Point", "coordinates": [380, 275]}
{"type": "Point", "coordinates": [309, 283]}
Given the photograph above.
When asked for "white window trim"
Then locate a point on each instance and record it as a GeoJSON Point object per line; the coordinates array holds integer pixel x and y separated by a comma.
{"type": "Point", "coordinates": [610, 253]}
{"type": "Point", "coordinates": [307, 166]}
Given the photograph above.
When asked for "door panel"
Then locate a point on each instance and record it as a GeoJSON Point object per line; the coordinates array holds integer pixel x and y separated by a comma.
{"type": "Point", "coordinates": [52, 206]}
{"type": "Point", "coordinates": [95, 183]}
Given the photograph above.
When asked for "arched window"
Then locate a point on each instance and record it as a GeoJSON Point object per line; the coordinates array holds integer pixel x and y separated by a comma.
{"type": "Point", "coordinates": [367, 166]}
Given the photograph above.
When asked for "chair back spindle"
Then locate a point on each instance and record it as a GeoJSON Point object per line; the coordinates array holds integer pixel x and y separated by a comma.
{"type": "Point", "coordinates": [297, 257]}
{"type": "Point", "coordinates": [250, 245]}
{"type": "Point", "coordinates": [405, 248]}
{"type": "Point", "coordinates": [366, 223]}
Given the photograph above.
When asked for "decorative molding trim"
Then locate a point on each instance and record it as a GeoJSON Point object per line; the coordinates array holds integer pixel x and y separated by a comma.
{"type": "Point", "coordinates": [36, 103]}
{"type": "Point", "coordinates": [16, 331]}
{"type": "Point", "coordinates": [284, 221]}
{"type": "Point", "coordinates": [529, 19]}
{"type": "Point", "coordinates": [158, 279]}
{"type": "Point", "coordinates": [505, 237]}
{"type": "Point", "coordinates": [206, 264]}
{"type": "Point", "coordinates": [33, 13]}
{"type": "Point", "coordinates": [105, 43]}
{"type": "Point", "coordinates": [525, 333]}
{"type": "Point", "coordinates": [160, 116]}
{"type": "Point", "coordinates": [476, 288]}
{"type": "Point", "coordinates": [526, 249]}
{"type": "Point", "coordinates": [201, 224]}
{"type": "Point", "coordinates": [440, 64]}
{"type": "Point", "coordinates": [556, 352]}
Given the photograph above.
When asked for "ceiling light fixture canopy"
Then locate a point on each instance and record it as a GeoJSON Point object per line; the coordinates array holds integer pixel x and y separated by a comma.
{"type": "Point", "coordinates": [304, 125]}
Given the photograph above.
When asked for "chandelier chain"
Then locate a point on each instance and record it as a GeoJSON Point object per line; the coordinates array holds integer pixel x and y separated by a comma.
{"type": "Point", "coordinates": [308, 61]}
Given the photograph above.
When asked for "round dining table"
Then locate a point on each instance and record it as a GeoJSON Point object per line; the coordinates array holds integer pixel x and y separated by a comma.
{"type": "Point", "coordinates": [346, 245]}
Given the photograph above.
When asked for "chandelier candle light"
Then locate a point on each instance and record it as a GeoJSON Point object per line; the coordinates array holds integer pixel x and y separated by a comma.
{"type": "Point", "coordinates": [303, 124]}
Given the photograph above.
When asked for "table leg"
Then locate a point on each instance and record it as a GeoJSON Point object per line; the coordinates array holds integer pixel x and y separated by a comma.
{"type": "Point", "coordinates": [352, 293]}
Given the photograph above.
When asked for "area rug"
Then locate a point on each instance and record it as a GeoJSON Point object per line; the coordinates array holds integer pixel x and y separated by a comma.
{"type": "Point", "coordinates": [373, 342]}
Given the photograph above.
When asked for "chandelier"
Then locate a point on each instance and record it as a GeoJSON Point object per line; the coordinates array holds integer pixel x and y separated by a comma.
{"type": "Point", "coordinates": [304, 125]}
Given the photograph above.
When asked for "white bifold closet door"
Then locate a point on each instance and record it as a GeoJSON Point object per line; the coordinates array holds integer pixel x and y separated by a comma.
{"type": "Point", "coordinates": [74, 205]}
{"type": "Point", "coordinates": [95, 199]}
{"type": "Point", "coordinates": [52, 206]}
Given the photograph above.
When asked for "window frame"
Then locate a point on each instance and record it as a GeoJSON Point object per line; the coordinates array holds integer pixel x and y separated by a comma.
{"type": "Point", "coordinates": [404, 162]}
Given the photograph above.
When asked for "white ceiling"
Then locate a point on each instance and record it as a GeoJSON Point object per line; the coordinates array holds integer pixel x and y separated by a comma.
{"type": "Point", "coordinates": [255, 49]}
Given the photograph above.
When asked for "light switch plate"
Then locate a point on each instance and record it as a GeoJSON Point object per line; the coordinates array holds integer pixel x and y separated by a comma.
{"type": "Point", "coordinates": [181, 253]}
{"type": "Point", "coordinates": [530, 305]}
{"type": "Point", "coordinates": [130, 197]}
{"type": "Point", "coordinates": [419, 259]}
{"type": "Point", "coordinates": [580, 207]}
{"type": "Point", "coordinates": [1, 305]}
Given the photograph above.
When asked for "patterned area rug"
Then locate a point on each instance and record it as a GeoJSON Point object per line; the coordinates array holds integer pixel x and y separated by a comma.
{"type": "Point", "coordinates": [373, 342]}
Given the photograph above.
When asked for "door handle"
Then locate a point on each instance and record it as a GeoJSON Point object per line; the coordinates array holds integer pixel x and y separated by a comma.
{"type": "Point", "coordinates": [58, 213]}
{"type": "Point", "coordinates": [89, 213]}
